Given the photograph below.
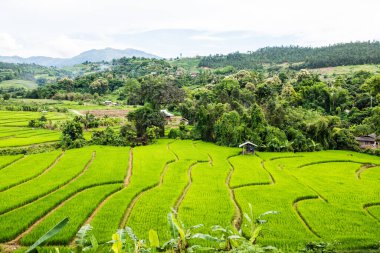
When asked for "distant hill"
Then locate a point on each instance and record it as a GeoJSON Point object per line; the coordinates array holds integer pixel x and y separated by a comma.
{"type": "Point", "coordinates": [354, 53]}
{"type": "Point", "coordinates": [94, 55]}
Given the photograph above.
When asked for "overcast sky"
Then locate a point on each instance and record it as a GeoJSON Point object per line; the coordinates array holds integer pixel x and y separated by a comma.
{"type": "Point", "coordinates": [64, 28]}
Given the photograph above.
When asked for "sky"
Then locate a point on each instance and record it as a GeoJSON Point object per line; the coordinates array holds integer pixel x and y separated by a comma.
{"type": "Point", "coordinates": [170, 28]}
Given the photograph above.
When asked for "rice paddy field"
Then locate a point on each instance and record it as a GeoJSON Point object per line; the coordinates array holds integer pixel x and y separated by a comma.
{"type": "Point", "coordinates": [331, 196]}
{"type": "Point", "coordinates": [14, 130]}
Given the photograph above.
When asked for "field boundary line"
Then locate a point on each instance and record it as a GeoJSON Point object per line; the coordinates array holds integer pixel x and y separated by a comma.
{"type": "Point", "coordinates": [136, 198]}
{"type": "Point", "coordinates": [363, 168]}
{"type": "Point", "coordinates": [308, 186]}
{"type": "Point", "coordinates": [132, 204]}
{"type": "Point", "coordinates": [327, 161]}
{"type": "Point", "coordinates": [10, 163]}
{"type": "Point", "coordinates": [238, 214]}
{"type": "Point", "coordinates": [273, 181]}
{"type": "Point", "coordinates": [56, 160]}
{"type": "Point", "coordinates": [368, 205]}
{"type": "Point", "coordinates": [250, 184]}
{"type": "Point", "coordinates": [299, 214]}
{"type": "Point", "coordinates": [88, 164]}
{"type": "Point", "coordinates": [125, 184]}
{"type": "Point", "coordinates": [187, 187]}
{"type": "Point", "coordinates": [285, 157]}
{"type": "Point", "coordinates": [41, 219]}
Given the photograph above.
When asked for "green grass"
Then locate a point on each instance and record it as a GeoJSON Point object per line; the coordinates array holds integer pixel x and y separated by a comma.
{"type": "Point", "coordinates": [18, 84]}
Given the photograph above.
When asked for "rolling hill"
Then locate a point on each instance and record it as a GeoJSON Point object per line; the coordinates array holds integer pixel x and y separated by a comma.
{"type": "Point", "coordinates": [94, 55]}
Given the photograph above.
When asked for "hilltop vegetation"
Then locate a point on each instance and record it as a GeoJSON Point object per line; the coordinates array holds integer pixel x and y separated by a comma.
{"type": "Point", "coordinates": [300, 57]}
{"type": "Point", "coordinates": [280, 109]}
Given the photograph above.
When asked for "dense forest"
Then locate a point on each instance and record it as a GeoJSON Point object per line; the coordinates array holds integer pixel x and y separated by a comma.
{"type": "Point", "coordinates": [300, 57]}
{"type": "Point", "coordinates": [284, 110]}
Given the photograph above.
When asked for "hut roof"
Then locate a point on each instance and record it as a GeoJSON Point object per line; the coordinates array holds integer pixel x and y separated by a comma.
{"type": "Point", "coordinates": [365, 138]}
{"type": "Point", "coordinates": [247, 143]}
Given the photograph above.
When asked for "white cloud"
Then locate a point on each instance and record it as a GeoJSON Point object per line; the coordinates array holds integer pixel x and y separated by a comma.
{"type": "Point", "coordinates": [8, 44]}
{"type": "Point", "coordinates": [57, 27]}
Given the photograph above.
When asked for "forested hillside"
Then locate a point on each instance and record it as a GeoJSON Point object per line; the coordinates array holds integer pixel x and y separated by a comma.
{"type": "Point", "coordinates": [284, 110]}
{"type": "Point", "coordinates": [300, 57]}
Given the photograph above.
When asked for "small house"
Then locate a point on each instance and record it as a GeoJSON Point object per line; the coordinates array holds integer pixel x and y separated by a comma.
{"type": "Point", "coordinates": [168, 116]}
{"type": "Point", "coordinates": [368, 141]}
{"type": "Point", "coordinates": [107, 102]}
{"type": "Point", "coordinates": [248, 147]}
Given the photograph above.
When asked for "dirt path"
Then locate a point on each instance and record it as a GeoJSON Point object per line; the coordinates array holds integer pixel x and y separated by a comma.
{"type": "Point", "coordinates": [39, 174]}
{"type": "Point", "coordinates": [43, 196]}
{"type": "Point", "coordinates": [126, 183]}
{"type": "Point", "coordinates": [363, 168]}
{"type": "Point", "coordinates": [303, 220]}
{"type": "Point", "coordinates": [76, 112]}
{"type": "Point", "coordinates": [366, 206]}
{"type": "Point", "coordinates": [130, 207]}
{"type": "Point", "coordinates": [187, 187]}
{"type": "Point", "coordinates": [16, 241]}
{"type": "Point", "coordinates": [273, 181]}
{"type": "Point", "coordinates": [237, 219]}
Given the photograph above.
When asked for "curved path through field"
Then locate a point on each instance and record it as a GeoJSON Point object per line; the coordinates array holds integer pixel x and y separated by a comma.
{"type": "Point", "coordinates": [130, 207]}
{"type": "Point", "coordinates": [237, 219]}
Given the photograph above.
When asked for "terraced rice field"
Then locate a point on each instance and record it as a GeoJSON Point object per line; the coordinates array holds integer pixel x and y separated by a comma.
{"type": "Point", "coordinates": [14, 130]}
{"type": "Point", "coordinates": [321, 196]}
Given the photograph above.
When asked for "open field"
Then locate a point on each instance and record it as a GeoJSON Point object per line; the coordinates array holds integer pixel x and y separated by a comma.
{"type": "Point", "coordinates": [18, 84]}
{"type": "Point", "coordinates": [328, 195]}
{"type": "Point", "coordinates": [14, 130]}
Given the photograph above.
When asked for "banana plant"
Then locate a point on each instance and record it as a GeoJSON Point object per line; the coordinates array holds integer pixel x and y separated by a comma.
{"type": "Point", "coordinates": [255, 224]}
{"type": "Point", "coordinates": [85, 239]}
{"type": "Point", "coordinates": [180, 235]}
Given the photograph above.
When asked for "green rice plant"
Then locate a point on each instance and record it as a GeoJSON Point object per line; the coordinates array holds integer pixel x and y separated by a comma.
{"type": "Point", "coordinates": [208, 199]}
{"type": "Point", "coordinates": [151, 209]}
{"type": "Point", "coordinates": [7, 160]}
{"type": "Point", "coordinates": [29, 167]}
{"type": "Point", "coordinates": [67, 168]}
{"type": "Point", "coordinates": [346, 195]}
{"type": "Point", "coordinates": [25, 141]}
{"type": "Point", "coordinates": [109, 166]}
{"type": "Point", "coordinates": [248, 170]}
{"type": "Point", "coordinates": [279, 196]}
{"type": "Point", "coordinates": [145, 175]}
{"type": "Point", "coordinates": [77, 209]}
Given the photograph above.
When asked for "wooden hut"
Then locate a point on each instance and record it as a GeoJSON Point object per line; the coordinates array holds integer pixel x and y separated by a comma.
{"type": "Point", "coordinates": [368, 141]}
{"type": "Point", "coordinates": [248, 147]}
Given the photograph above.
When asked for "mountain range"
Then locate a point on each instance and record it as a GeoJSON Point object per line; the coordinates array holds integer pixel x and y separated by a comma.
{"type": "Point", "coordinates": [94, 55]}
